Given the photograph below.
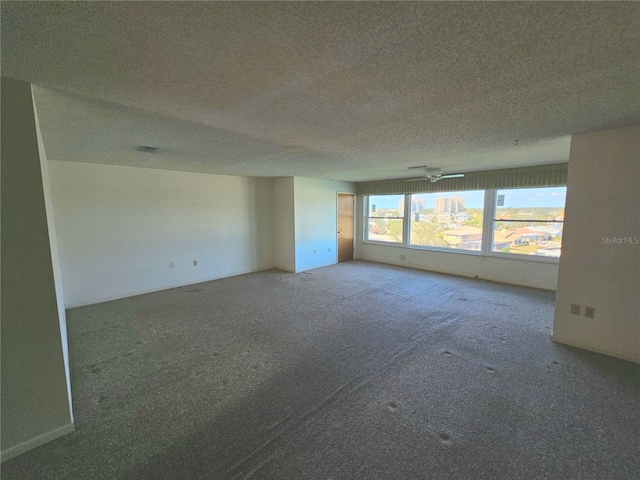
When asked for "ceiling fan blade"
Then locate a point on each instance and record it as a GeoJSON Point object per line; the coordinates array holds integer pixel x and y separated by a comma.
{"type": "Point", "coordinates": [416, 179]}
{"type": "Point", "coordinates": [433, 175]}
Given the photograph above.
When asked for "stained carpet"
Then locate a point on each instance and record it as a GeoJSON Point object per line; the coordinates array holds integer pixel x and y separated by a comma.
{"type": "Point", "coordinates": [353, 371]}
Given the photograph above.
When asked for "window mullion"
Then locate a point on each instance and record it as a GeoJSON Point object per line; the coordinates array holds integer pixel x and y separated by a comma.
{"type": "Point", "coordinates": [487, 220]}
{"type": "Point", "coordinates": [406, 232]}
{"type": "Point", "coordinates": [365, 231]}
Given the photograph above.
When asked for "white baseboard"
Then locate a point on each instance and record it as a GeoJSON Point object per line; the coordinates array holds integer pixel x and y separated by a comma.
{"type": "Point", "coordinates": [21, 448]}
{"type": "Point", "coordinates": [135, 293]}
{"type": "Point", "coordinates": [622, 356]}
{"type": "Point", "coordinates": [417, 266]}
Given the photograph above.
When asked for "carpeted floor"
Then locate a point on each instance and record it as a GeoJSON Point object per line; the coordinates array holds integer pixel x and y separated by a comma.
{"type": "Point", "coordinates": [354, 371]}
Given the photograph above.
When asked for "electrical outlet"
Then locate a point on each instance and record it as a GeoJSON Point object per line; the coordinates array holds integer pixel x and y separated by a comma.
{"type": "Point", "coordinates": [329, 250]}
{"type": "Point", "coordinates": [402, 257]}
{"type": "Point", "coordinates": [172, 265]}
{"type": "Point", "coordinates": [195, 263]}
{"type": "Point", "coordinates": [314, 250]}
{"type": "Point", "coordinates": [575, 309]}
{"type": "Point", "coordinates": [589, 312]}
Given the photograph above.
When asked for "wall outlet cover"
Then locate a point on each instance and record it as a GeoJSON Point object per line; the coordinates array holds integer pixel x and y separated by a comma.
{"type": "Point", "coordinates": [195, 263]}
{"type": "Point", "coordinates": [575, 309]}
{"type": "Point", "coordinates": [589, 312]}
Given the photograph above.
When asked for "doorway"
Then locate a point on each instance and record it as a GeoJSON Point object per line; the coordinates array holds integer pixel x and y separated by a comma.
{"type": "Point", "coordinates": [345, 227]}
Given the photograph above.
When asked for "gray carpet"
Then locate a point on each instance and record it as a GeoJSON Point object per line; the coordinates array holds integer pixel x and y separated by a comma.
{"type": "Point", "coordinates": [354, 371]}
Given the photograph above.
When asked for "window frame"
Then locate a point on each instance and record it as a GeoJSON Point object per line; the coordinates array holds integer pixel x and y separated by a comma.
{"type": "Point", "coordinates": [407, 201]}
{"type": "Point", "coordinates": [516, 256]}
{"type": "Point", "coordinates": [486, 246]}
{"type": "Point", "coordinates": [366, 238]}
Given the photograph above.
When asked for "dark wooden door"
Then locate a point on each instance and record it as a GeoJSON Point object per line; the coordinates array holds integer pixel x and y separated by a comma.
{"type": "Point", "coordinates": [345, 227]}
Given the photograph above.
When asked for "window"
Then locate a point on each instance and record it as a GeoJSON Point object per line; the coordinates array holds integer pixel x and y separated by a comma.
{"type": "Point", "coordinates": [385, 218]}
{"type": "Point", "coordinates": [451, 220]}
{"type": "Point", "coordinates": [529, 221]}
{"type": "Point", "coordinates": [522, 221]}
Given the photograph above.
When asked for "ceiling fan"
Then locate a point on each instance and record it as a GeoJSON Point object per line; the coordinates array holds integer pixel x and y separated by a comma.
{"type": "Point", "coordinates": [432, 173]}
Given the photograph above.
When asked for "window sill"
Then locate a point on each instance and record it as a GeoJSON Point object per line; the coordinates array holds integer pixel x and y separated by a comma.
{"type": "Point", "coordinates": [504, 256]}
{"type": "Point", "coordinates": [422, 248]}
{"type": "Point", "coordinates": [525, 258]}
{"type": "Point", "coordinates": [387, 244]}
{"type": "Point", "coordinates": [455, 251]}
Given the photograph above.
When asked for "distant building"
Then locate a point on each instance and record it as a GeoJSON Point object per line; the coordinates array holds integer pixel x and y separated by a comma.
{"type": "Point", "coordinates": [416, 204]}
{"type": "Point", "coordinates": [450, 205]}
{"type": "Point", "coordinates": [443, 217]}
{"type": "Point", "coordinates": [526, 236]}
{"type": "Point", "coordinates": [468, 238]}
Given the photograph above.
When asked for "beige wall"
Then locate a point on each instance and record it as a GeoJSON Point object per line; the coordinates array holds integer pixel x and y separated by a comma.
{"type": "Point", "coordinates": [35, 403]}
{"type": "Point", "coordinates": [506, 270]}
{"type": "Point", "coordinates": [120, 228]}
{"type": "Point", "coordinates": [55, 257]}
{"type": "Point", "coordinates": [316, 221]}
{"type": "Point", "coordinates": [517, 271]}
{"type": "Point", "coordinates": [284, 225]}
{"type": "Point", "coordinates": [603, 204]}
{"type": "Point", "coordinates": [305, 218]}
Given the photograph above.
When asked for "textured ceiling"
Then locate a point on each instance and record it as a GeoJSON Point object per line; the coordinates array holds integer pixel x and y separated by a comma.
{"type": "Point", "coordinates": [351, 91]}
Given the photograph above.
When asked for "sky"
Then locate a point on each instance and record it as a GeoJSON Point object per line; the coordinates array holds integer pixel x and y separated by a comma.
{"type": "Point", "coordinates": [534, 197]}
{"type": "Point", "coordinates": [515, 198]}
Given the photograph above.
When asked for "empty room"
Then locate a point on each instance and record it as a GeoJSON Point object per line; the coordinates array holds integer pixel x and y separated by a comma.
{"type": "Point", "coordinates": [323, 240]}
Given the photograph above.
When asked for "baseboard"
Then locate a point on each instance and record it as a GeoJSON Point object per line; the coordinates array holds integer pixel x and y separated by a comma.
{"type": "Point", "coordinates": [135, 293]}
{"type": "Point", "coordinates": [478, 277]}
{"type": "Point", "coordinates": [570, 343]}
{"type": "Point", "coordinates": [313, 267]}
{"type": "Point", "coordinates": [21, 448]}
{"type": "Point", "coordinates": [416, 266]}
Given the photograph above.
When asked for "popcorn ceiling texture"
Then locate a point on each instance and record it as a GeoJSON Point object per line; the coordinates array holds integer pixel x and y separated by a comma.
{"type": "Point", "coordinates": [353, 371]}
{"type": "Point", "coordinates": [349, 91]}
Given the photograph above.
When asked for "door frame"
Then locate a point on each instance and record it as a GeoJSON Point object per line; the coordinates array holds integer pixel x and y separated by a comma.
{"type": "Point", "coordinates": [353, 246]}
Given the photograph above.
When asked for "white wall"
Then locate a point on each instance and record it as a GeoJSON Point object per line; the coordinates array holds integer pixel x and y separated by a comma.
{"type": "Point", "coordinates": [119, 228]}
{"type": "Point", "coordinates": [515, 271]}
{"type": "Point", "coordinates": [316, 221]}
{"type": "Point", "coordinates": [284, 224]}
{"type": "Point", "coordinates": [35, 403]}
{"type": "Point", "coordinates": [603, 202]}
{"type": "Point", "coordinates": [55, 258]}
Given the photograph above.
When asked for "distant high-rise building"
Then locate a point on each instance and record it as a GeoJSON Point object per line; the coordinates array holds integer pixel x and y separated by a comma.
{"type": "Point", "coordinates": [451, 204]}
{"type": "Point", "coordinates": [442, 205]}
{"type": "Point", "coordinates": [416, 204]}
{"type": "Point", "coordinates": [457, 204]}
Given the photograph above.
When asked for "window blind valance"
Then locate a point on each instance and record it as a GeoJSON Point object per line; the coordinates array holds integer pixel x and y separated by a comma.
{"type": "Point", "coordinates": [521, 177]}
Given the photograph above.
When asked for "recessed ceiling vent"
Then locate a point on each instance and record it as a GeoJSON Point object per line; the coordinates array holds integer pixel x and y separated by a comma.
{"type": "Point", "coordinates": [144, 149]}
